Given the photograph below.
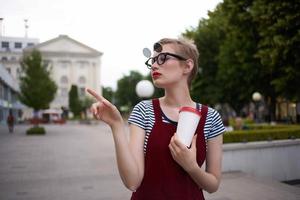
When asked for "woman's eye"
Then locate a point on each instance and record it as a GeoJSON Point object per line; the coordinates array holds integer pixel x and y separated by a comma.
{"type": "Point", "coordinates": [161, 58]}
{"type": "Point", "coordinates": [153, 60]}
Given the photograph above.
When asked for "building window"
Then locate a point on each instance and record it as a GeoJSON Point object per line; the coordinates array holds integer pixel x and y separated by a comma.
{"type": "Point", "coordinates": [64, 80]}
{"type": "Point", "coordinates": [83, 64]}
{"type": "Point", "coordinates": [8, 69]}
{"type": "Point", "coordinates": [82, 80]}
{"type": "Point", "coordinates": [64, 64]}
{"type": "Point", "coordinates": [30, 44]}
{"type": "Point", "coordinates": [5, 44]}
{"type": "Point", "coordinates": [18, 45]}
{"type": "Point", "coordinates": [1, 90]}
{"type": "Point", "coordinates": [4, 58]}
{"type": "Point", "coordinates": [64, 92]}
{"type": "Point", "coordinates": [18, 72]}
{"type": "Point", "coordinates": [5, 96]}
{"type": "Point", "coordinates": [81, 91]}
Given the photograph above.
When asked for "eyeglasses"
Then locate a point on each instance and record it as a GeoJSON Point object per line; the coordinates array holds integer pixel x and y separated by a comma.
{"type": "Point", "coordinates": [162, 58]}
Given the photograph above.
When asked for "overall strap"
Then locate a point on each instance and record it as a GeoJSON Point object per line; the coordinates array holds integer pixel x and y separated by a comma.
{"type": "Point", "coordinates": [201, 143]}
{"type": "Point", "coordinates": [204, 110]}
{"type": "Point", "coordinates": [157, 111]}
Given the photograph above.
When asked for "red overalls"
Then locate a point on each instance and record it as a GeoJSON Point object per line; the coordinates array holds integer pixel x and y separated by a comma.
{"type": "Point", "coordinates": [163, 178]}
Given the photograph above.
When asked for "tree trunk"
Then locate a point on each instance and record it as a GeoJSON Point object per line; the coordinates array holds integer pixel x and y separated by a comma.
{"type": "Point", "coordinates": [273, 109]}
{"type": "Point", "coordinates": [35, 117]}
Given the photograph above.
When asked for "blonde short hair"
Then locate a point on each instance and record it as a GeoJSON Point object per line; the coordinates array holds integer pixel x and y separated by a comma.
{"type": "Point", "coordinates": [187, 49]}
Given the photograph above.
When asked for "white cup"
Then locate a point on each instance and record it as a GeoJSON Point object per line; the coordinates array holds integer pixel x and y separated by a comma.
{"type": "Point", "coordinates": [187, 124]}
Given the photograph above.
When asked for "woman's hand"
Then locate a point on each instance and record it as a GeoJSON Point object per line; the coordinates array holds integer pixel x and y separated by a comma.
{"type": "Point", "coordinates": [184, 156]}
{"type": "Point", "coordinates": [104, 110]}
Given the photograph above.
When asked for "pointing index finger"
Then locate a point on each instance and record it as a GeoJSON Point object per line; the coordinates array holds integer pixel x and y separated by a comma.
{"type": "Point", "coordinates": [94, 94]}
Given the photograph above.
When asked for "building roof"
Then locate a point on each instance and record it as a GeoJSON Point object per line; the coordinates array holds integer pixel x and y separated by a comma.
{"type": "Point", "coordinates": [69, 45]}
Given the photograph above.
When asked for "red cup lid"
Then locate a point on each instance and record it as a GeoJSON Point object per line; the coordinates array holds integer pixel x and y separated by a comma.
{"type": "Point", "coordinates": [190, 109]}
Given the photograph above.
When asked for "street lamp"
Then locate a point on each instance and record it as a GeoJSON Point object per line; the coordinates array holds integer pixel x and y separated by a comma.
{"type": "Point", "coordinates": [144, 89]}
{"type": "Point", "coordinates": [256, 97]}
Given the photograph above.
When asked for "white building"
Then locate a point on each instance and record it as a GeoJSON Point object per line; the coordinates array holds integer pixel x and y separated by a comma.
{"type": "Point", "coordinates": [71, 62]}
{"type": "Point", "coordinates": [11, 52]}
{"type": "Point", "coordinates": [8, 96]}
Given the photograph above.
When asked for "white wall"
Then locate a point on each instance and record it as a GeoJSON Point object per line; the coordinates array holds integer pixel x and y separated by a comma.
{"type": "Point", "coordinates": [278, 160]}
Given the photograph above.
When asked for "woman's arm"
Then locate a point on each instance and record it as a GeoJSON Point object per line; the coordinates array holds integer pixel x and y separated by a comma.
{"type": "Point", "coordinates": [209, 180]}
{"type": "Point", "coordinates": [129, 154]}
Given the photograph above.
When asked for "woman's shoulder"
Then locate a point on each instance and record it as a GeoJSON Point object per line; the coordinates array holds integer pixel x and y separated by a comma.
{"type": "Point", "coordinates": [144, 104]}
{"type": "Point", "coordinates": [211, 112]}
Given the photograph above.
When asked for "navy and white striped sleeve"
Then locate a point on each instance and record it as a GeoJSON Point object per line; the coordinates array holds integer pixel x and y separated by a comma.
{"type": "Point", "coordinates": [138, 115]}
{"type": "Point", "coordinates": [217, 126]}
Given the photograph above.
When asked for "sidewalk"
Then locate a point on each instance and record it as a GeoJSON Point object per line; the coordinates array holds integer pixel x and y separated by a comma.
{"type": "Point", "coordinates": [75, 161]}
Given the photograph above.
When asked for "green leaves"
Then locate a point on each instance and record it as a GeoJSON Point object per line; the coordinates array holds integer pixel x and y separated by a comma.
{"type": "Point", "coordinates": [37, 88]}
{"type": "Point", "coordinates": [247, 46]}
{"type": "Point", "coordinates": [74, 101]}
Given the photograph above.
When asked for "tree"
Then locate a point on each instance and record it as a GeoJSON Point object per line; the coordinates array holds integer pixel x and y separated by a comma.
{"type": "Point", "coordinates": [125, 94]}
{"type": "Point", "coordinates": [85, 104]}
{"type": "Point", "coordinates": [74, 101]}
{"type": "Point", "coordinates": [37, 89]}
{"type": "Point", "coordinates": [239, 70]}
{"type": "Point", "coordinates": [208, 36]}
{"type": "Point", "coordinates": [279, 48]}
{"type": "Point", "coordinates": [108, 93]}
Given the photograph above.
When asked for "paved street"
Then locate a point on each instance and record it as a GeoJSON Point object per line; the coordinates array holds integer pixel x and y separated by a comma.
{"type": "Point", "coordinates": [77, 162]}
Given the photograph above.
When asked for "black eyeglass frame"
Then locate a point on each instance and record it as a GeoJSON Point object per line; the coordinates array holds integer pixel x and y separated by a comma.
{"type": "Point", "coordinates": [165, 54]}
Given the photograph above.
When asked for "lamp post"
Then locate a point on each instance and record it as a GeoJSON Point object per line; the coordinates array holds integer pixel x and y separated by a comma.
{"type": "Point", "coordinates": [144, 89]}
{"type": "Point", "coordinates": [256, 97]}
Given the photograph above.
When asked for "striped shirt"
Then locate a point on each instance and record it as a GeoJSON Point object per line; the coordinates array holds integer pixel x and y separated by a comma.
{"type": "Point", "coordinates": [143, 116]}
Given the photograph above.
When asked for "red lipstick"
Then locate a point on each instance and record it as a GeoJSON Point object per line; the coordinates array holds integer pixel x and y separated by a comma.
{"type": "Point", "coordinates": [156, 75]}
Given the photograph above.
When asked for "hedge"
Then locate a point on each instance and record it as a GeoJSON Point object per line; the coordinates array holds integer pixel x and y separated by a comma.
{"type": "Point", "coordinates": [263, 134]}
{"type": "Point", "coordinates": [36, 130]}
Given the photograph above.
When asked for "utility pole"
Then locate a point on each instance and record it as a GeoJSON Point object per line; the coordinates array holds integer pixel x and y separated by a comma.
{"type": "Point", "coordinates": [26, 27]}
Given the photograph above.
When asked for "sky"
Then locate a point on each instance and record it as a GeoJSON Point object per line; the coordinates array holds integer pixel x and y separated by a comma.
{"type": "Point", "coordinates": [120, 29]}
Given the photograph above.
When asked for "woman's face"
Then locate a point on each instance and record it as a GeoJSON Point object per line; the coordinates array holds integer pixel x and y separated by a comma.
{"type": "Point", "coordinates": [167, 67]}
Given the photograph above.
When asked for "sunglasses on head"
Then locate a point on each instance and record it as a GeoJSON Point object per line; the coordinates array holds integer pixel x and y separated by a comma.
{"type": "Point", "coordinates": [161, 59]}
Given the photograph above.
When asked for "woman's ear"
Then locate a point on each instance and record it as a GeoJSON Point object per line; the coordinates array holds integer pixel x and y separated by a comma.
{"type": "Point", "coordinates": [188, 66]}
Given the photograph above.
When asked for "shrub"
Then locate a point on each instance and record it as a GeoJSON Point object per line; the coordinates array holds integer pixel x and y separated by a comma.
{"type": "Point", "coordinates": [263, 134]}
{"type": "Point", "coordinates": [36, 130]}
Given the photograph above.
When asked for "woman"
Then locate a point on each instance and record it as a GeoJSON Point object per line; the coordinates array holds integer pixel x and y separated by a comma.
{"type": "Point", "coordinates": [154, 164]}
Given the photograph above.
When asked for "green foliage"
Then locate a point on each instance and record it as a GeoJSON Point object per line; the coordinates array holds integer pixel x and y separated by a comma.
{"type": "Point", "coordinates": [37, 89]}
{"type": "Point", "coordinates": [208, 37]}
{"type": "Point", "coordinates": [279, 45]}
{"type": "Point", "coordinates": [108, 93]}
{"type": "Point", "coordinates": [74, 101]}
{"type": "Point", "coordinates": [36, 130]}
{"type": "Point", "coordinates": [247, 46]}
{"type": "Point", "coordinates": [125, 94]}
{"type": "Point", "coordinates": [238, 68]}
{"type": "Point", "coordinates": [264, 133]}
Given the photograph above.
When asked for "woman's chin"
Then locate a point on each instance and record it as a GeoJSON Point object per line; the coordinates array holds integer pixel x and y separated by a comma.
{"type": "Point", "coordinates": [158, 84]}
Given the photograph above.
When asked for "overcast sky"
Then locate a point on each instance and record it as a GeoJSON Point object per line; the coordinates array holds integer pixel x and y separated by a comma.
{"type": "Point", "coordinates": [118, 28]}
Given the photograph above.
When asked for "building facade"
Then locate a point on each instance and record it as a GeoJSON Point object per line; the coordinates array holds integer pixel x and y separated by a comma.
{"type": "Point", "coordinates": [71, 63]}
{"type": "Point", "coordinates": [11, 53]}
{"type": "Point", "coordinates": [8, 96]}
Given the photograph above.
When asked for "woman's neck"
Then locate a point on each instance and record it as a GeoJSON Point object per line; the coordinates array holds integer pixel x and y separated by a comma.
{"type": "Point", "coordinates": [177, 97]}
